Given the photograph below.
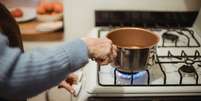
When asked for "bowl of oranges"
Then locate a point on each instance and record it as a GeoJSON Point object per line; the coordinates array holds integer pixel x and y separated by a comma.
{"type": "Point", "coordinates": [50, 11]}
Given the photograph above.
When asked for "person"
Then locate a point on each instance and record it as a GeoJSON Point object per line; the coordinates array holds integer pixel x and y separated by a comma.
{"type": "Point", "coordinates": [24, 75]}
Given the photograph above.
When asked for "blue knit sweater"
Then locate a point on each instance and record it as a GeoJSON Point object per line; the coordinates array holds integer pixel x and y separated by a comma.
{"type": "Point", "coordinates": [23, 75]}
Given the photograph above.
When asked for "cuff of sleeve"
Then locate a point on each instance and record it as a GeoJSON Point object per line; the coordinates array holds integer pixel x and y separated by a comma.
{"type": "Point", "coordinates": [78, 52]}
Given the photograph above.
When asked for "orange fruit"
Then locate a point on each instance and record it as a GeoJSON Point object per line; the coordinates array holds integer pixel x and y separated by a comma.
{"type": "Point", "coordinates": [17, 12]}
{"type": "Point", "coordinates": [54, 13]}
{"type": "Point", "coordinates": [49, 7]}
{"type": "Point", "coordinates": [40, 10]}
{"type": "Point", "coordinates": [58, 7]}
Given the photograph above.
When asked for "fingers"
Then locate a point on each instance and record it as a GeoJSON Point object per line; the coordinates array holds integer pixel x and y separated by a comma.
{"type": "Point", "coordinates": [100, 49]}
{"type": "Point", "coordinates": [108, 40]}
{"type": "Point", "coordinates": [104, 60]}
{"type": "Point", "coordinates": [67, 86]}
{"type": "Point", "coordinates": [109, 53]}
{"type": "Point", "coordinates": [113, 52]}
{"type": "Point", "coordinates": [72, 78]}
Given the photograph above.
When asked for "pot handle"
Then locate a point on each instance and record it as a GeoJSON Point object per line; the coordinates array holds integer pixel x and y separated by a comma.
{"type": "Point", "coordinates": [152, 56]}
{"type": "Point", "coordinates": [122, 51]}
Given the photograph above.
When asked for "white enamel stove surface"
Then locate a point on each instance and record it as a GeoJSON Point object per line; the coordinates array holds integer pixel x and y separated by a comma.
{"type": "Point", "coordinates": [106, 77]}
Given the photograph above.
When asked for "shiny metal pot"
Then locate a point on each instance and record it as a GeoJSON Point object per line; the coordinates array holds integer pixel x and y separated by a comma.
{"type": "Point", "coordinates": [134, 48]}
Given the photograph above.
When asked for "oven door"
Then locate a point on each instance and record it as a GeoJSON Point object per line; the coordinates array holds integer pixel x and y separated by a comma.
{"type": "Point", "coordinates": [145, 98]}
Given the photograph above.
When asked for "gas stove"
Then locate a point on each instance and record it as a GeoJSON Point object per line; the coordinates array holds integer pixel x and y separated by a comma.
{"type": "Point", "coordinates": [177, 62]}
{"type": "Point", "coordinates": [173, 70]}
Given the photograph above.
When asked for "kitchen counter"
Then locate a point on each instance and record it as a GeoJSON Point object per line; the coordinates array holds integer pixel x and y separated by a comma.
{"type": "Point", "coordinates": [29, 32]}
{"type": "Point", "coordinates": [33, 39]}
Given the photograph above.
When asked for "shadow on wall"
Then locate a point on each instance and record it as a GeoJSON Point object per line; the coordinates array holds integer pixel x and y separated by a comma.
{"type": "Point", "coordinates": [197, 23]}
{"type": "Point", "coordinates": [196, 4]}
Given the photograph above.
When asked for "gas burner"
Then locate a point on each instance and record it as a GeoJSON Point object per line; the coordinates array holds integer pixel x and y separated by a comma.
{"type": "Point", "coordinates": [179, 37]}
{"type": "Point", "coordinates": [170, 36]}
{"type": "Point", "coordinates": [186, 63]}
{"type": "Point", "coordinates": [124, 78]}
{"type": "Point", "coordinates": [125, 75]}
{"type": "Point", "coordinates": [189, 61]}
{"type": "Point", "coordinates": [188, 69]}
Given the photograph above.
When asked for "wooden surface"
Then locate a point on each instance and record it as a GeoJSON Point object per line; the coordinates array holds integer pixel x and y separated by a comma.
{"type": "Point", "coordinates": [27, 29]}
{"type": "Point", "coordinates": [29, 33]}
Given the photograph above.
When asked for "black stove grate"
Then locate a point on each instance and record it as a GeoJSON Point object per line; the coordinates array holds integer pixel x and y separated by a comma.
{"type": "Point", "coordinates": [159, 60]}
{"type": "Point", "coordinates": [174, 38]}
{"type": "Point", "coordinates": [183, 58]}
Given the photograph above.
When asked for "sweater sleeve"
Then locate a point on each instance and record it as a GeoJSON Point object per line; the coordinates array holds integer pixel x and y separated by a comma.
{"type": "Point", "coordinates": [23, 75]}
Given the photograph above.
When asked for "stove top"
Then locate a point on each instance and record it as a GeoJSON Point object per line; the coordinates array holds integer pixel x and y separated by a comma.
{"type": "Point", "coordinates": [177, 62]}
{"type": "Point", "coordinates": [181, 37]}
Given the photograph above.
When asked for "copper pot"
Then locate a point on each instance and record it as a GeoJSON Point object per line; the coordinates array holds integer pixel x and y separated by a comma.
{"type": "Point", "coordinates": [134, 48]}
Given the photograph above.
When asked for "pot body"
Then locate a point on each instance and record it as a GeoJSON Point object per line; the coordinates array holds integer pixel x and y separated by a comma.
{"type": "Point", "coordinates": [134, 60]}
{"type": "Point", "coordinates": [136, 49]}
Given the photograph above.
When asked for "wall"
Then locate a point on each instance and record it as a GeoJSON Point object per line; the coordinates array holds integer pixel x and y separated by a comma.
{"type": "Point", "coordinates": [156, 5]}
{"type": "Point", "coordinates": [26, 3]}
{"type": "Point", "coordinates": [16, 3]}
{"type": "Point", "coordinates": [79, 14]}
{"type": "Point", "coordinates": [78, 17]}
{"type": "Point", "coordinates": [197, 24]}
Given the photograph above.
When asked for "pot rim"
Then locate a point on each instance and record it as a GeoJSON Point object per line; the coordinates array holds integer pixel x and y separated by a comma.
{"type": "Point", "coordinates": [135, 28]}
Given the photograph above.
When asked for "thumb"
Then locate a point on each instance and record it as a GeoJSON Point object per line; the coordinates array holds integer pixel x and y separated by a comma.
{"type": "Point", "coordinates": [66, 86]}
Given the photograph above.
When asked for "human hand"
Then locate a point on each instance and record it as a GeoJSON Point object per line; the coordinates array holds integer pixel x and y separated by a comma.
{"type": "Point", "coordinates": [67, 84]}
{"type": "Point", "coordinates": [100, 49]}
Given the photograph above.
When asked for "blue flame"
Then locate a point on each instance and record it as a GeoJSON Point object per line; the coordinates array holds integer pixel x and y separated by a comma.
{"type": "Point", "coordinates": [135, 75]}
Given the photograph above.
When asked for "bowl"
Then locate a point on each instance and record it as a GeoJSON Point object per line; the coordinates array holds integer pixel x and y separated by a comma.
{"type": "Point", "coordinates": [49, 17]}
{"type": "Point", "coordinates": [49, 26]}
